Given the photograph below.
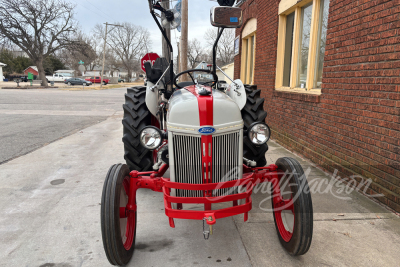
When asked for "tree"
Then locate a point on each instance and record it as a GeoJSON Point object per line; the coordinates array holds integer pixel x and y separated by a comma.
{"type": "Point", "coordinates": [225, 50]}
{"type": "Point", "coordinates": [195, 53]}
{"type": "Point", "coordinates": [51, 64]}
{"type": "Point", "coordinates": [38, 27]}
{"type": "Point", "coordinates": [129, 43]}
{"type": "Point", "coordinates": [83, 48]}
{"type": "Point", "coordinates": [14, 64]}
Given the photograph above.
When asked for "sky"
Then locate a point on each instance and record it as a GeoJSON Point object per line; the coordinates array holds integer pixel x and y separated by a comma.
{"type": "Point", "coordinates": [91, 12]}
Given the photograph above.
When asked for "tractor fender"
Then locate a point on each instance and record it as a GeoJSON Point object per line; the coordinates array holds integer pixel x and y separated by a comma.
{"type": "Point", "coordinates": [152, 99]}
{"type": "Point", "coordinates": [238, 96]}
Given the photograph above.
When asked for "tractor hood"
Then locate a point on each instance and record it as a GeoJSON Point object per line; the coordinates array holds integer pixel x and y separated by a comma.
{"type": "Point", "coordinates": [190, 112]}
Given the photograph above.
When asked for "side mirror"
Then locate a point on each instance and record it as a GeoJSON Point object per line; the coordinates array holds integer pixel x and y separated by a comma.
{"type": "Point", "coordinates": [226, 17]}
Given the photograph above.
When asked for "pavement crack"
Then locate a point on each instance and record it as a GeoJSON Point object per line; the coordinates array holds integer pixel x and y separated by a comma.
{"type": "Point", "coordinates": [241, 239]}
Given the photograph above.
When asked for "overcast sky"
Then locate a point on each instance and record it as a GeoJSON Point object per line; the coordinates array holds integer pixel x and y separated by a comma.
{"type": "Point", "coordinates": [91, 12]}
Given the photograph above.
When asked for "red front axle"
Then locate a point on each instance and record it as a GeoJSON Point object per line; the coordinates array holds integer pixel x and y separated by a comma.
{"type": "Point", "coordinates": [153, 180]}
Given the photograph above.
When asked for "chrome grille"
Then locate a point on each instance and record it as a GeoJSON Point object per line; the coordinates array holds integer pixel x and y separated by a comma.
{"type": "Point", "coordinates": [187, 161]}
{"type": "Point", "coordinates": [225, 161]}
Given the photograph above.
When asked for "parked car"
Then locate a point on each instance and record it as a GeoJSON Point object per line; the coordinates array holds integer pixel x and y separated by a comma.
{"type": "Point", "coordinates": [77, 81]}
{"type": "Point", "coordinates": [97, 79]}
{"type": "Point", "coordinates": [56, 78]}
{"type": "Point", "coordinates": [120, 80]}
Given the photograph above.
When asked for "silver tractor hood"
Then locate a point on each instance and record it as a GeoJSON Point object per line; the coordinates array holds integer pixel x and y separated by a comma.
{"type": "Point", "coordinates": [183, 113]}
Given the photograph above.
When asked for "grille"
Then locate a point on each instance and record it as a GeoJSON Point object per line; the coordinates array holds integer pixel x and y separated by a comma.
{"type": "Point", "coordinates": [187, 161]}
{"type": "Point", "coordinates": [225, 161]}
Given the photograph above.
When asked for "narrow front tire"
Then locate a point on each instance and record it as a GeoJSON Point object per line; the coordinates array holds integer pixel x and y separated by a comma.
{"type": "Point", "coordinates": [292, 207]}
{"type": "Point", "coordinates": [118, 226]}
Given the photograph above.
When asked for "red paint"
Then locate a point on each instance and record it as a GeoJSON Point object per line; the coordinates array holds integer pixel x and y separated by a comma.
{"type": "Point", "coordinates": [205, 103]}
{"type": "Point", "coordinates": [157, 183]}
{"type": "Point", "coordinates": [129, 212]}
{"type": "Point", "coordinates": [97, 79]}
{"type": "Point", "coordinates": [279, 205]}
{"type": "Point", "coordinates": [206, 117]}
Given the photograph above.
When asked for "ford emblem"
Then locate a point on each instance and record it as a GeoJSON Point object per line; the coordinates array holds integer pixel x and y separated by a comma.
{"type": "Point", "coordinates": [206, 130]}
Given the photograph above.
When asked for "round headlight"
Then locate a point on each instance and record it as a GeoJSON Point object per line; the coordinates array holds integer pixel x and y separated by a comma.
{"type": "Point", "coordinates": [259, 133]}
{"type": "Point", "coordinates": [151, 137]}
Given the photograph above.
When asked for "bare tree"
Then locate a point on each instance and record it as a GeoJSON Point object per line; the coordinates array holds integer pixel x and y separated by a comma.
{"type": "Point", "coordinates": [225, 51]}
{"type": "Point", "coordinates": [129, 43]}
{"type": "Point", "coordinates": [195, 53]}
{"type": "Point", "coordinates": [83, 49]}
{"type": "Point", "coordinates": [38, 27]}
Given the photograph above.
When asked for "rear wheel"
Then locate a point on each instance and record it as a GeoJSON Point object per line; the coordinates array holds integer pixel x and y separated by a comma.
{"type": "Point", "coordinates": [136, 117]}
{"type": "Point", "coordinates": [118, 228]}
{"type": "Point", "coordinates": [252, 112]}
{"type": "Point", "coordinates": [292, 207]}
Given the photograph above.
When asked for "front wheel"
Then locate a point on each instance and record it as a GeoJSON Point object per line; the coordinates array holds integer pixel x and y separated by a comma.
{"type": "Point", "coordinates": [118, 227]}
{"type": "Point", "coordinates": [292, 207]}
{"type": "Point", "coordinates": [104, 83]}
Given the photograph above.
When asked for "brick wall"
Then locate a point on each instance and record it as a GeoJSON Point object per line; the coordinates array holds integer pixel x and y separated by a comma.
{"type": "Point", "coordinates": [354, 125]}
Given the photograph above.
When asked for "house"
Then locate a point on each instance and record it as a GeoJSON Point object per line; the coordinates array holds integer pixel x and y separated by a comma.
{"type": "Point", "coordinates": [1, 70]}
{"type": "Point", "coordinates": [31, 69]}
{"type": "Point", "coordinates": [329, 73]}
{"type": "Point", "coordinates": [229, 70]}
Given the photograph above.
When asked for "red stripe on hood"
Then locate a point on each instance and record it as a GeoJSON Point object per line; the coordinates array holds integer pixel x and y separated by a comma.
{"type": "Point", "coordinates": [205, 103]}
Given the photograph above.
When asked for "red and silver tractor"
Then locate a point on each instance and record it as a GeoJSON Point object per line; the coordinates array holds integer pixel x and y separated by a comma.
{"type": "Point", "coordinates": [213, 141]}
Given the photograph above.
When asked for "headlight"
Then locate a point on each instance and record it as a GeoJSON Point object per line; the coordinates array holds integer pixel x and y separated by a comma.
{"type": "Point", "coordinates": [259, 133]}
{"type": "Point", "coordinates": [151, 137]}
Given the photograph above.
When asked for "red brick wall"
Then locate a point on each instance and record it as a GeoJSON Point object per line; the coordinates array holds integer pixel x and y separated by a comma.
{"type": "Point", "coordinates": [354, 125]}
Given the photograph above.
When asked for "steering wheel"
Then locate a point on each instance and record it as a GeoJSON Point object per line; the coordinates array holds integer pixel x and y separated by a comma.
{"type": "Point", "coordinates": [196, 70]}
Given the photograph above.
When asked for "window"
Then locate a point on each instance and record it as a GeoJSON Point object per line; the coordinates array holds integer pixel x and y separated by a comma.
{"type": "Point", "coordinates": [288, 49]}
{"type": "Point", "coordinates": [301, 43]}
{"type": "Point", "coordinates": [304, 44]}
{"type": "Point", "coordinates": [248, 51]}
{"type": "Point", "coordinates": [322, 28]}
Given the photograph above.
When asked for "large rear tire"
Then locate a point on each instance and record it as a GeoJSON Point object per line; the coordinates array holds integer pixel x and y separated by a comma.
{"type": "Point", "coordinates": [252, 112]}
{"type": "Point", "coordinates": [292, 207]}
{"type": "Point", "coordinates": [118, 229]}
{"type": "Point", "coordinates": [136, 117]}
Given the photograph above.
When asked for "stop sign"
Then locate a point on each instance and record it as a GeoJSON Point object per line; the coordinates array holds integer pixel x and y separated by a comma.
{"type": "Point", "coordinates": [149, 57]}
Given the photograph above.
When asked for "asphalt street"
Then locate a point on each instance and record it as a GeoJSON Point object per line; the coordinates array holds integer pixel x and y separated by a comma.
{"type": "Point", "coordinates": [30, 119]}
{"type": "Point", "coordinates": [50, 200]}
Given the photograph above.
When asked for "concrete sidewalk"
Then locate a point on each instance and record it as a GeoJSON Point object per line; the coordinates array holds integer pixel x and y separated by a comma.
{"type": "Point", "coordinates": [50, 216]}
{"type": "Point", "coordinates": [349, 228]}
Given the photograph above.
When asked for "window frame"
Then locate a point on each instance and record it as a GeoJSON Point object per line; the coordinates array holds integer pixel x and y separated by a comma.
{"type": "Point", "coordinates": [248, 35]}
{"type": "Point", "coordinates": [287, 7]}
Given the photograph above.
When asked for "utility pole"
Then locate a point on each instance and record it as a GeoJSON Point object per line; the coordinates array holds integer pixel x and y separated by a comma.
{"type": "Point", "coordinates": [178, 63]}
{"type": "Point", "coordinates": [184, 39]}
{"type": "Point", "coordinates": [104, 53]}
{"type": "Point", "coordinates": [165, 50]}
